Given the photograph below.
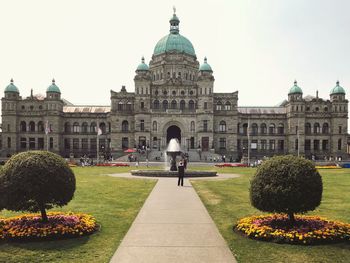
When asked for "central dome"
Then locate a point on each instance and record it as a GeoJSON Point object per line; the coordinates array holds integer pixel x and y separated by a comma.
{"type": "Point", "coordinates": [174, 41]}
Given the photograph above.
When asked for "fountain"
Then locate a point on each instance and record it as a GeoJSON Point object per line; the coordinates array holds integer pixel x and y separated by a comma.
{"type": "Point", "coordinates": [173, 150]}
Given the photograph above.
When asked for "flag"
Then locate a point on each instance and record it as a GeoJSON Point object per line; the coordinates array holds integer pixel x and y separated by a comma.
{"type": "Point", "coordinates": [99, 132]}
{"type": "Point", "coordinates": [47, 128]}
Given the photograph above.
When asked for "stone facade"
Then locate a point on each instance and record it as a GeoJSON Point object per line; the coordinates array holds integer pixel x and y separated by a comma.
{"type": "Point", "coordinates": [174, 97]}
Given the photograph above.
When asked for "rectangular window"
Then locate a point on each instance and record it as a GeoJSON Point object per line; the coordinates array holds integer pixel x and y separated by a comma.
{"type": "Point", "coordinates": [272, 145]}
{"type": "Point", "coordinates": [339, 145]}
{"type": "Point", "coordinates": [205, 105]}
{"type": "Point", "coordinates": [142, 105]}
{"type": "Point", "coordinates": [263, 145]}
{"type": "Point", "coordinates": [93, 145]}
{"type": "Point", "coordinates": [142, 125]}
{"type": "Point", "coordinates": [84, 144]}
{"type": "Point", "coordinates": [307, 145]}
{"type": "Point", "coordinates": [339, 129]}
{"type": "Point", "coordinates": [245, 144]}
{"type": "Point", "coordinates": [67, 143]}
{"type": "Point", "coordinates": [31, 143]}
{"type": "Point", "coordinates": [75, 144]}
{"type": "Point", "coordinates": [316, 145]}
{"type": "Point", "coordinates": [325, 145]}
{"type": "Point", "coordinates": [23, 143]}
{"type": "Point", "coordinates": [222, 143]}
{"type": "Point", "coordinates": [125, 142]}
{"type": "Point", "coordinates": [254, 145]}
{"type": "Point", "coordinates": [280, 145]}
{"type": "Point", "coordinates": [102, 144]}
{"type": "Point", "coordinates": [40, 143]}
{"type": "Point", "coordinates": [51, 142]}
{"type": "Point", "coordinates": [238, 144]}
{"type": "Point", "coordinates": [296, 144]}
{"type": "Point", "coordinates": [8, 142]}
{"type": "Point", "coordinates": [120, 106]}
{"type": "Point", "coordinates": [205, 125]}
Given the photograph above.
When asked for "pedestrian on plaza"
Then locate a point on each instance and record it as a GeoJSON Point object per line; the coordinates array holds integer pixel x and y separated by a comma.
{"type": "Point", "coordinates": [181, 173]}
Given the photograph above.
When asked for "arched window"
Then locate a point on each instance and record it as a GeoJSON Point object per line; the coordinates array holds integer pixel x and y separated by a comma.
{"type": "Point", "coordinates": [103, 127]}
{"type": "Point", "coordinates": [165, 104]}
{"type": "Point", "coordinates": [325, 128]}
{"type": "Point", "coordinates": [85, 127]}
{"type": "Point", "coordinates": [125, 126]}
{"type": "Point", "coordinates": [182, 104]}
{"type": "Point", "coordinates": [272, 128]}
{"type": "Point", "coordinates": [222, 126]}
{"type": "Point", "coordinates": [93, 127]}
{"type": "Point", "coordinates": [339, 144]}
{"type": "Point", "coordinates": [280, 128]}
{"type": "Point", "coordinates": [76, 127]}
{"type": "Point", "coordinates": [173, 104]}
{"type": "Point", "coordinates": [307, 128]}
{"type": "Point", "coordinates": [245, 129]}
{"type": "Point", "coordinates": [227, 105]}
{"type": "Point", "coordinates": [316, 128]}
{"type": "Point", "coordinates": [23, 126]}
{"type": "Point", "coordinates": [254, 129]}
{"type": "Point", "coordinates": [218, 105]}
{"type": "Point", "coordinates": [191, 105]}
{"type": "Point", "coordinates": [40, 126]}
{"type": "Point", "coordinates": [67, 127]}
{"type": "Point", "coordinates": [263, 128]}
{"type": "Point", "coordinates": [32, 126]}
{"type": "Point", "coordinates": [156, 104]}
{"type": "Point", "coordinates": [128, 106]}
{"type": "Point", "coordinates": [192, 126]}
{"type": "Point", "coordinates": [154, 126]}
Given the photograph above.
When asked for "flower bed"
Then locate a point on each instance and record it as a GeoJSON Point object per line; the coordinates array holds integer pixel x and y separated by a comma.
{"type": "Point", "coordinates": [307, 229]}
{"type": "Point", "coordinates": [327, 167]}
{"type": "Point", "coordinates": [60, 225]}
{"type": "Point", "coordinates": [231, 165]}
{"type": "Point", "coordinates": [113, 164]}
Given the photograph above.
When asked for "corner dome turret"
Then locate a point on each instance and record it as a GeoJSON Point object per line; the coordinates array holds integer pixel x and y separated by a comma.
{"type": "Point", "coordinates": [295, 89]}
{"type": "Point", "coordinates": [53, 88]}
{"type": "Point", "coordinates": [174, 41]}
{"type": "Point", "coordinates": [205, 66]}
{"type": "Point", "coordinates": [11, 87]}
{"type": "Point", "coordinates": [337, 89]}
{"type": "Point", "coordinates": [142, 66]}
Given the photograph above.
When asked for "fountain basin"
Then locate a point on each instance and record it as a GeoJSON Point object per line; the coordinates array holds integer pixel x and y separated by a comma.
{"type": "Point", "coordinates": [161, 173]}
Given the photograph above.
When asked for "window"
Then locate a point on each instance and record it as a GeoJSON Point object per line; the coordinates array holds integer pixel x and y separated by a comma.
{"type": "Point", "coordinates": [339, 145]}
{"type": "Point", "coordinates": [316, 128]}
{"type": "Point", "coordinates": [205, 105]}
{"type": "Point", "coordinates": [165, 104]}
{"type": "Point", "coordinates": [51, 142]}
{"type": "Point", "coordinates": [272, 145]}
{"type": "Point", "coordinates": [272, 128]}
{"type": "Point", "coordinates": [307, 128]}
{"type": "Point", "coordinates": [120, 106]}
{"type": "Point", "coordinates": [325, 145]}
{"type": "Point", "coordinates": [40, 126]}
{"type": "Point", "coordinates": [219, 105]}
{"type": "Point", "coordinates": [280, 145]}
{"type": "Point", "coordinates": [182, 104]}
{"type": "Point", "coordinates": [205, 125]}
{"type": "Point", "coordinates": [191, 92]}
{"type": "Point", "coordinates": [263, 128]}
{"type": "Point", "coordinates": [280, 128]}
{"type": "Point", "coordinates": [23, 126]}
{"type": "Point", "coordinates": [325, 128]}
{"type": "Point", "coordinates": [103, 127]}
{"type": "Point", "coordinates": [339, 129]}
{"type": "Point", "coordinates": [296, 144]}
{"type": "Point", "coordinates": [32, 126]}
{"type": "Point", "coordinates": [125, 142]}
{"type": "Point", "coordinates": [245, 129]}
{"type": "Point", "coordinates": [192, 129]}
{"type": "Point", "coordinates": [222, 126]}
{"type": "Point", "coordinates": [154, 126]}
{"type": "Point", "coordinates": [23, 143]}
{"type": "Point", "coordinates": [222, 143]}
{"type": "Point", "coordinates": [142, 106]}
{"type": "Point", "coordinates": [84, 144]}
{"type": "Point", "coordinates": [67, 127]}
{"type": "Point", "coordinates": [93, 127]}
{"type": "Point", "coordinates": [84, 127]}
{"type": "Point", "coordinates": [263, 145]}
{"type": "Point", "coordinates": [156, 104]}
{"type": "Point", "coordinates": [128, 106]}
{"type": "Point", "coordinates": [76, 127]}
{"type": "Point", "coordinates": [142, 125]}
{"type": "Point", "coordinates": [173, 104]}
{"type": "Point", "coordinates": [174, 92]}
{"type": "Point", "coordinates": [307, 145]}
{"type": "Point", "coordinates": [67, 144]}
{"type": "Point", "coordinates": [40, 143]}
{"type": "Point", "coordinates": [191, 105]}
{"type": "Point", "coordinates": [316, 145]}
{"type": "Point", "coordinates": [75, 144]}
{"type": "Point", "coordinates": [31, 143]}
{"type": "Point", "coordinates": [8, 142]}
{"type": "Point", "coordinates": [254, 129]}
{"type": "Point", "coordinates": [238, 144]}
{"type": "Point", "coordinates": [227, 105]}
{"type": "Point", "coordinates": [125, 126]}
{"type": "Point", "coordinates": [93, 144]}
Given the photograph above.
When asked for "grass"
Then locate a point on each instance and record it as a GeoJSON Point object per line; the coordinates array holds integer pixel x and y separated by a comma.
{"type": "Point", "coordinates": [228, 200]}
{"type": "Point", "coordinates": [114, 202]}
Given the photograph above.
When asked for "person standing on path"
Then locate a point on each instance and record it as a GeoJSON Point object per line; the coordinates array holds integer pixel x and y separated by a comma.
{"type": "Point", "coordinates": [181, 173]}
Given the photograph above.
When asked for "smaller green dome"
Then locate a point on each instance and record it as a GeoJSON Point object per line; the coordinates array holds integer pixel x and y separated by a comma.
{"type": "Point", "coordinates": [142, 66]}
{"type": "Point", "coordinates": [337, 89]}
{"type": "Point", "coordinates": [11, 88]}
{"type": "Point", "coordinates": [205, 66]}
{"type": "Point", "coordinates": [53, 88]}
{"type": "Point", "coordinates": [295, 89]}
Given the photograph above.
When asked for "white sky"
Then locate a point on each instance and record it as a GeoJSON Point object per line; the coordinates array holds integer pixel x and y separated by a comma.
{"type": "Point", "coordinates": [256, 47]}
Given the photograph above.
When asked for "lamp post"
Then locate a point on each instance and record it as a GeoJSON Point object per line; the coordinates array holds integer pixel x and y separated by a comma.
{"type": "Point", "coordinates": [188, 144]}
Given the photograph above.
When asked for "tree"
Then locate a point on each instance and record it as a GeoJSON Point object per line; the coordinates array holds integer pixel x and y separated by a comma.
{"type": "Point", "coordinates": [35, 181]}
{"type": "Point", "coordinates": [286, 184]}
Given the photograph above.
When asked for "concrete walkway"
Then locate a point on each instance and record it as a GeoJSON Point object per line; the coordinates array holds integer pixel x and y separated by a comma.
{"type": "Point", "coordinates": [173, 226]}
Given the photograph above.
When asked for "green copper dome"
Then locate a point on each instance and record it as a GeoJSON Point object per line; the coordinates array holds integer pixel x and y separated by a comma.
{"type": "Point", "coordinates": [337, 89]}
{"type": "Point", "coordinates": [11, 87]}
{"type": "Point", "coordinates": [205, 66]}
{"type": "Point", "coordinates": [295, 89]}
{"type": "Point", "coordinates": [174, 41]}
{"type": "Point", "coordinates": [53, 88]}
{"type": "Point", "coordinates": [142, 66]}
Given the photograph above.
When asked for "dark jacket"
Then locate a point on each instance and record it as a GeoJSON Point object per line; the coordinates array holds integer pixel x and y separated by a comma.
{"type": "Point", "coordinates": [181, 170]}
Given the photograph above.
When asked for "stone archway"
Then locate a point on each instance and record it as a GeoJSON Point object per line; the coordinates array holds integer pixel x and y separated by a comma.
{"type": "Point", "coordinates": [173, 131]}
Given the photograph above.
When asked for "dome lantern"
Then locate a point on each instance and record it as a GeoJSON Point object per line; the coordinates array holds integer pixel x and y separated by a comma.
{"type": "Point", "coordinates": [174, 23]}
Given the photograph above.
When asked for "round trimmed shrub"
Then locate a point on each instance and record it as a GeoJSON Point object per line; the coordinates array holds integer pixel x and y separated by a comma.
{"type": "Point", "coordinates": [35, 181]}
{"type": "Point", "coordinates": [286, 184]}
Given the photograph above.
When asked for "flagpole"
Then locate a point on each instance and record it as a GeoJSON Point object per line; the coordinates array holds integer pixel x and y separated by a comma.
{"type": "Point", "coordinates": [248, 142]}
{"type": "Point", "coordinates": [298, 137]}
{"type": "Point", "coordinates": [97, 144]}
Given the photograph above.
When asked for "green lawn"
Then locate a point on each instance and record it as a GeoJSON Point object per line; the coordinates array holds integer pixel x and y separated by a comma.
{"type": "Point", "coordinates": [114, 202]}
{"type": "Point", "coordinates": [228, 200]}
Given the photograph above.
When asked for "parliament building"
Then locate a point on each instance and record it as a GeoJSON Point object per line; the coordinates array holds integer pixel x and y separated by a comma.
{"type": "Point", "coordinates": [174, 97]}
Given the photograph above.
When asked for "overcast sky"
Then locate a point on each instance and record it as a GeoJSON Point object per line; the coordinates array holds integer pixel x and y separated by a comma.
{"type": "Point", "coordinates": [256, 47]}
